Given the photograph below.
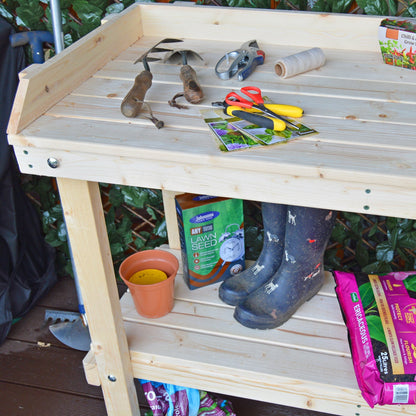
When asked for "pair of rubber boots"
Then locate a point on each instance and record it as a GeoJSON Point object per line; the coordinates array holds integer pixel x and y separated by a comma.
{"type": "Point", "coordinates": [289, 270]}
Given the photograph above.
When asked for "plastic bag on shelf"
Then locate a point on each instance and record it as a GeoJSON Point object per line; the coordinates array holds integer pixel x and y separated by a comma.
{"type": "Point", "coordinates": [380, 314]}
{"type": "Point", "coordinates": [210, 405]}
{"type": "Point", "coordinates": [170, 400]}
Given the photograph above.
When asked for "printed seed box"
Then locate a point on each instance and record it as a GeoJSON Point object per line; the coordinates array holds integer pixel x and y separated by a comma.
{"type": "Point", "coordinates": [397, 38]}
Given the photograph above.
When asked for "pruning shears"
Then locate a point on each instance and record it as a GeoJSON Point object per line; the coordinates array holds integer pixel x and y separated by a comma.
{"type": "Point", "coordinates": [269, 116]}
{"type": "Point", "coordinates": [240, 62]}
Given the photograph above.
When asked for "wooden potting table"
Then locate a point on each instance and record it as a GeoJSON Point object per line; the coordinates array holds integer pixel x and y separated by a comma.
{"type": "Point", "coordinates": [66, 123]}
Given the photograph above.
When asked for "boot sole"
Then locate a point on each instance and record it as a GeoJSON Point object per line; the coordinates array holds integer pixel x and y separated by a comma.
{"type": "Point", "coordinates": [262, 322]}
{"type": "Point", "coordinates": [231, 298]}
{"type": "Point", "coordinates": [250, 320]}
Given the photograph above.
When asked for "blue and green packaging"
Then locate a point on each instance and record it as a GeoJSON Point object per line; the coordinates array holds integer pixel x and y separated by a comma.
{"type": "Point", "coordinates": [211, 232]}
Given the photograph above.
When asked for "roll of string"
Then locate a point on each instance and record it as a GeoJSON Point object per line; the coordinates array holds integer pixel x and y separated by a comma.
{"type": "Point", "coordinates": [300, 62]}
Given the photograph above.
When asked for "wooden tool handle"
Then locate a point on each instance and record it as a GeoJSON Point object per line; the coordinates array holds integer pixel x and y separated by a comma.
{"type": "Point", "coordinates": [192, 90]}
{"type": "Point", "coordinates": [133, 101]}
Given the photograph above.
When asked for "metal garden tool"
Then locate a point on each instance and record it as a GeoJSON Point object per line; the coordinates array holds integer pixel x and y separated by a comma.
{"type": "Point", "coordinates": [133, 101]}
{"type": "Point", "coordinates": [192, 90]}
{"type": "Point", "coordinates": [71, 328]}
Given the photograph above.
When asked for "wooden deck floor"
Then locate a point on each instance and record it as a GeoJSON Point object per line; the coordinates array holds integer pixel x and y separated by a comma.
{"type": "Point", "coordinates": [41, 376]}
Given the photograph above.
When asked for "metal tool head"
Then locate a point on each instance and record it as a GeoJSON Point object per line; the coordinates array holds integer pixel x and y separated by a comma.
{"type": "Point", "coordinates": [240, 62]}
{"type": "Point", "coordinates": [182, 56]}
{"type": "Point", "coordinates": [250, 44]}
{"type": "Point", "coordinates": [74, 334]}
{"type": "Point", "coordinates": [145, 59]}
{"type": "Point", "coordinates": [69, 328]}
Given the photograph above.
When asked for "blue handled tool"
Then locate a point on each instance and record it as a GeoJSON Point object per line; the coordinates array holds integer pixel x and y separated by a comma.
{"type": "Point", "coordinates": [241, 62]}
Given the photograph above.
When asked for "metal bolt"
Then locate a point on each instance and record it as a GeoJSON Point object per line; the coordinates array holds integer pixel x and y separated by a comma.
{"type": "Point", "coordinates": [53, 162]}
{"type": "Point", "coordinates": [112, 378]}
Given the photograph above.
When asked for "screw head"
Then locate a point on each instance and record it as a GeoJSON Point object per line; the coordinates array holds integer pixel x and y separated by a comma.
{"type": "Point", "coordinates": [112, 378]}
{"type": "Point", "coordinates": [53, 162]}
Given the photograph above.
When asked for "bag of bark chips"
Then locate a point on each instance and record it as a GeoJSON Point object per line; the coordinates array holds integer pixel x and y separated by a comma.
{"type": "Point", "coordinates": [380, 314]}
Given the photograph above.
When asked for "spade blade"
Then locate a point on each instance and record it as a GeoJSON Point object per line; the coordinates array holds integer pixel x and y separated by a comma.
{"type": "Point", "coordinates": [73, 334]}
{"type": "Point", "coordinates": [182, 55]}
{"type": "Point", "coordinates": [143, 58]}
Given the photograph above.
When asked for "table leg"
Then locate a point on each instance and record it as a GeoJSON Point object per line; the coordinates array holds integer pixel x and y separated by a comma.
{"type": "Point", "coordinates": [171, 219]}
{"type": "Point", "coordinates": [81, 201]}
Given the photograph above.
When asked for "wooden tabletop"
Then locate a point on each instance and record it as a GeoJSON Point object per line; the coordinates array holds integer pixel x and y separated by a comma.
{"type": "Point", "coordinates": [361, 160]}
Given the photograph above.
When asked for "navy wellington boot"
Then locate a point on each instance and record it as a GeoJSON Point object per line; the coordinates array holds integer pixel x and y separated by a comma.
{"type": "Point", "coordinates": [236, 288]}
{"type": "Point", "coordinates": [300, 276]}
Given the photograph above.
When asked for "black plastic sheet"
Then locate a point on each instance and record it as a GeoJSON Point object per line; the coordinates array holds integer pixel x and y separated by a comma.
{"type": "Point", "coordinates": [27, 269]}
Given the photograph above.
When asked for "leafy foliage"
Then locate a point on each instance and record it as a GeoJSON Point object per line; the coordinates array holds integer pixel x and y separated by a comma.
{"type": "Point", "coordinates": [260, 4]}
{"type": "Point", "coordinates": [372, 244]}
{"type": "Point", "coordinates": [134, 219]}
{"type": "Point", "coordinates": [371, 7]}
{"type": "Point", "coordinates": [79, 17]}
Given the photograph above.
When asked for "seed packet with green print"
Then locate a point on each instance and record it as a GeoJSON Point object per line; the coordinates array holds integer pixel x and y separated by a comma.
{"type": "Point", "coordinates": [230, 137]}
{"type": "Point", "coordinates": [268, 136]}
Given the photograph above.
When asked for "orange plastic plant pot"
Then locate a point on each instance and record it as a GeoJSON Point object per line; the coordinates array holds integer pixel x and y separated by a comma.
{"type": "Point", "coordinates": [151, 300]}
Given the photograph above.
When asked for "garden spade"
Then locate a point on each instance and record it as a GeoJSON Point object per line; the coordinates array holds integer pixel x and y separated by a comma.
{"type": "Point", "coordinates": [192, 91]}
{"type": "Point", "coordinates": [71, 328]}
{"type": "Point", "coordinates": [133, 101]}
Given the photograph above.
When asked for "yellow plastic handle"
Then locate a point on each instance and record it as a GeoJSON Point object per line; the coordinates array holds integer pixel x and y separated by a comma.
{"type": "Point", "coordinates": [262, 120]}
{"type": "Point", "coordinates": [285, 110]}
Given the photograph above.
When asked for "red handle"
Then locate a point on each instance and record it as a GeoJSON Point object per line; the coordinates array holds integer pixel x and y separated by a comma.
{"type": "Point", "coordinates": [234, 99]}
{"type": "Point", "coordinates": [254, 93]}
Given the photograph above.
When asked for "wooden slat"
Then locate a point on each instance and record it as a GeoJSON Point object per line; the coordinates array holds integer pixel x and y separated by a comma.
{"type": "Point", "coordinates": [25, 363]}
{"type": "Point", "coordinates": [32, 401]}
{"type": "Point", "coordinates": [41, 86]}
{"type": "Point", "coordinates": [337, 154]}
{"type": "Point", "coordinates": [268, 26]}
{"type": "Point", "coordinates": [319, 109]}
{"type": "Point", "coordinates": [381, 194]}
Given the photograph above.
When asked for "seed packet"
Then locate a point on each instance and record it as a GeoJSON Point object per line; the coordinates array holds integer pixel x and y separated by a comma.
{"type": "Point", "coordinates": [233, 133]}
{"type": "Point", "coordinates": [380, 314]}
{"type": "Point", "coordinates": [397, 38]}
{"type": "Point", "coordinates": [230, 136]}
{"type": "Point", "coordinates": [267, 136]}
